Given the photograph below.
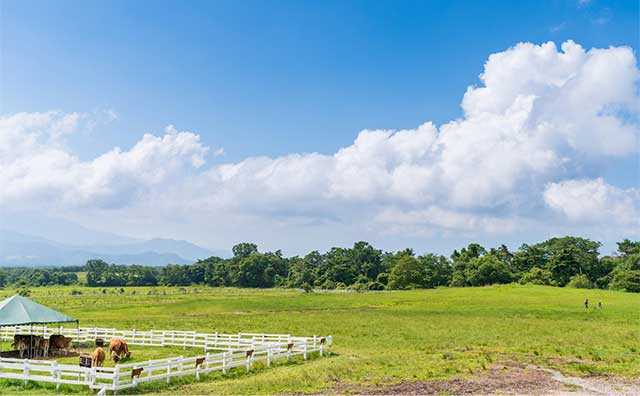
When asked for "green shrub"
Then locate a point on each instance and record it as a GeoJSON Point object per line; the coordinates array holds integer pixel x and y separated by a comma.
{"type": "Point", "coordinates": [537, 276]}
{"type": "Point", "coordinates": [580, 282]}
{"type": "Point", "coordinates": [626, 280]}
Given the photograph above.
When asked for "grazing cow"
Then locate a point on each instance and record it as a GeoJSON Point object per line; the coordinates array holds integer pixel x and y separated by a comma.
{"type": "Point", "coordinates": [117, 348]}
{"type": "Point", "coordinates": [21, 343]}
{"type": "Point", "coordinates": [97, 357]}
{"type": "Point", "coordinates": [58, 343]}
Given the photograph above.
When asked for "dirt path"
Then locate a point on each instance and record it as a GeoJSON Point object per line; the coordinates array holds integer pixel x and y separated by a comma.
{"type": "Point", "coordinates": [509, 378]}
{"type": "Point", "coordinates": [595, 386]}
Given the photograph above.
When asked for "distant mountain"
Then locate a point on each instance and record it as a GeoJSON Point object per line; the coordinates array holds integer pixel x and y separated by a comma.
{"type": "Point", "coordinates": [18, 249]}
{"type": "Point", "coordinates": [158, 245]}
{"type": "Point", "coordinates": [58, 230]}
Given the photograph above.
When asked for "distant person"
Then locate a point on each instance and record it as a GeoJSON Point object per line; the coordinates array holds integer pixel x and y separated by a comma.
{"type": "Point", "coordinates": [586, 303]}
{"type": "Point", "coordinates": [599, 304]}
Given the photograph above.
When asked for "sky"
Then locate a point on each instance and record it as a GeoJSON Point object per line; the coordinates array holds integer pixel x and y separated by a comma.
{"type": "Point", "coordinates": [302, 125]}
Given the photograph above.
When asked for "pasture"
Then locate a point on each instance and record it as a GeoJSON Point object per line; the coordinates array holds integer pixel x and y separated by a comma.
{"type": "Point", "coordinates": [378, 338]}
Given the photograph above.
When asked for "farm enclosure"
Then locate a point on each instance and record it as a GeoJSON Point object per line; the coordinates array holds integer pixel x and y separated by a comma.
{"type": "Point", "coordinates": [231, 350]}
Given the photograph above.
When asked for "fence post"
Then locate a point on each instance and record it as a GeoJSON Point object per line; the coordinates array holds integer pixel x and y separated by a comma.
{"type": "Point", "coordinates": [224, 362]}
{"type": "Point", "coordinates": [169, 372]}
{"type": "Point", "coordinates": [269, 357]}
{"type": "Point", "coordinates": [116, 379]}
{"type": "Point", "coordinates": [93, 376]}
{"type": "Point", "coordinates": [25, 372]}
{"type": "Point", "coordinates": [206, 361]}
{"type": "Point", "coordinates": [56, 374]}
{"type": "Point", "coordinates": [304, 355]}
{"type": "Point", "coordinates": [206, 341]}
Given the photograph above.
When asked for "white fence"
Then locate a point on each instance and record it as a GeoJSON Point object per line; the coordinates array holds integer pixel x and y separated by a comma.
{"type": "Point", "coordinates": [240, 350]}
{"type": "Point", "coordinates": [206, 341]}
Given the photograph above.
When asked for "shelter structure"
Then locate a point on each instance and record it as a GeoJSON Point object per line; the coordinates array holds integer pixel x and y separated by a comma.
{"type": "Point", "coordinates": [19, 311]}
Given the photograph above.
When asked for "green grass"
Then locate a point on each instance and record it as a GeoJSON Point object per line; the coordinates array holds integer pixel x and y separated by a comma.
{"type": "Point", "coordinates": [378, 337]}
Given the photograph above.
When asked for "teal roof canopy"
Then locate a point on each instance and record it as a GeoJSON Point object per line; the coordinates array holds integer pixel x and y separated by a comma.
{"type": "Point", "coordinates": [18, 310]}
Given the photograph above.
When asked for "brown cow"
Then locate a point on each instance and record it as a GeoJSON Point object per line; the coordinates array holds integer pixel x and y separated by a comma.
{"type": "Point", "coordinates": [58, 342]}
{"type": "Point", "coordinates": [21, 343]}
{"type": "Point", "coordinates": [97, 357]}
{"type": "Point", "coordinates": [42, 347]}
{"type": "Point", "coordinates": [117, 348]}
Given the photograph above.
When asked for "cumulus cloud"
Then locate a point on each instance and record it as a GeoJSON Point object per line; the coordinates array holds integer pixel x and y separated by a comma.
{"type": "Point", "coordinates": [38, 170]}
{"type": "Point", "coordinates": [589, 201]}
{"type": "Point", "coordinates": [540, 115]}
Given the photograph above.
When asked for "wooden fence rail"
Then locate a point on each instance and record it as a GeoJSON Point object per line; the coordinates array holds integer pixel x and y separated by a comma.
{"type": "Point", "coordinates": [239, 350]}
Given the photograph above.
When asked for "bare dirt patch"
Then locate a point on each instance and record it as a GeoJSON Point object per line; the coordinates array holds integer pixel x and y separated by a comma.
{"type": "Point", "coordinates": [509, 378]}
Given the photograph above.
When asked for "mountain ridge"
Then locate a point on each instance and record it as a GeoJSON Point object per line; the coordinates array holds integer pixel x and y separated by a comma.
{"type": "Point", "coordinates": [24, 250]}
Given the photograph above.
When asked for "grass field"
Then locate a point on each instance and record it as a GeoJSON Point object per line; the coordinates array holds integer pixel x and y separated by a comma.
{"type": "Point", "coordinates": [384, 337]}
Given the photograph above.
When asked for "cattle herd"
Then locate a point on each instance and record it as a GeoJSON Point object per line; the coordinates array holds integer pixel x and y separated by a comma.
{"type": "Point", "coordinates": [40, 346]}
{"type": "Point", "coordinates": [57, 345]}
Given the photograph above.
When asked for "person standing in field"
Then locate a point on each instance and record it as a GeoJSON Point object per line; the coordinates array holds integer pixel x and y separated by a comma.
{"type": "Point", "coordinates": [586, 303]}
{"type": "Point", "coordinates": [599, 304]}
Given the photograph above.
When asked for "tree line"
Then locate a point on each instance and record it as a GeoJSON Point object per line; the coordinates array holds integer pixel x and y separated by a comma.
{"type": "Point", "coordinates": [567, 261]}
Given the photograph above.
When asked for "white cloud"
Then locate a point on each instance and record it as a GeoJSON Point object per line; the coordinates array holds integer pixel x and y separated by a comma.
{"type": "Point", "coordinates": [540, 116]}
{"type": "Point", "coordinates": [436, 217]}
{"type": "Point", "coordinates": [594, 201]}
{"type": "Point", "coordinates": [38, 170]}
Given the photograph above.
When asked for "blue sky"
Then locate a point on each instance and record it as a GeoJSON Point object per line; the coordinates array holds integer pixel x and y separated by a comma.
{"type": "Point", "coordinates": [270, 78]}
{"type": "Point", "coordinates": [274, 78]}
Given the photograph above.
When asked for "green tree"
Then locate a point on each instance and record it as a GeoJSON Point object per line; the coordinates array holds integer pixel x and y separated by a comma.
{"type": "Point", "coordinates": [437, 270]}
{"type": "Point", "coordinates": [244, 249]}
{"type": "Point", "coordinates": [487, 270]}
{"type": "Point", "coordinates": [626, 280]}
{"type": "Point", "coordinates": [408, 273]}
{"type": "Point", "coordinates": [628, 247]}
{"type": "Point", "coordinates": [538, 276]}
{"type": "Point", "coordinates": [96, 270]}
{"type": "Point", "coordinates": [563, 264]}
